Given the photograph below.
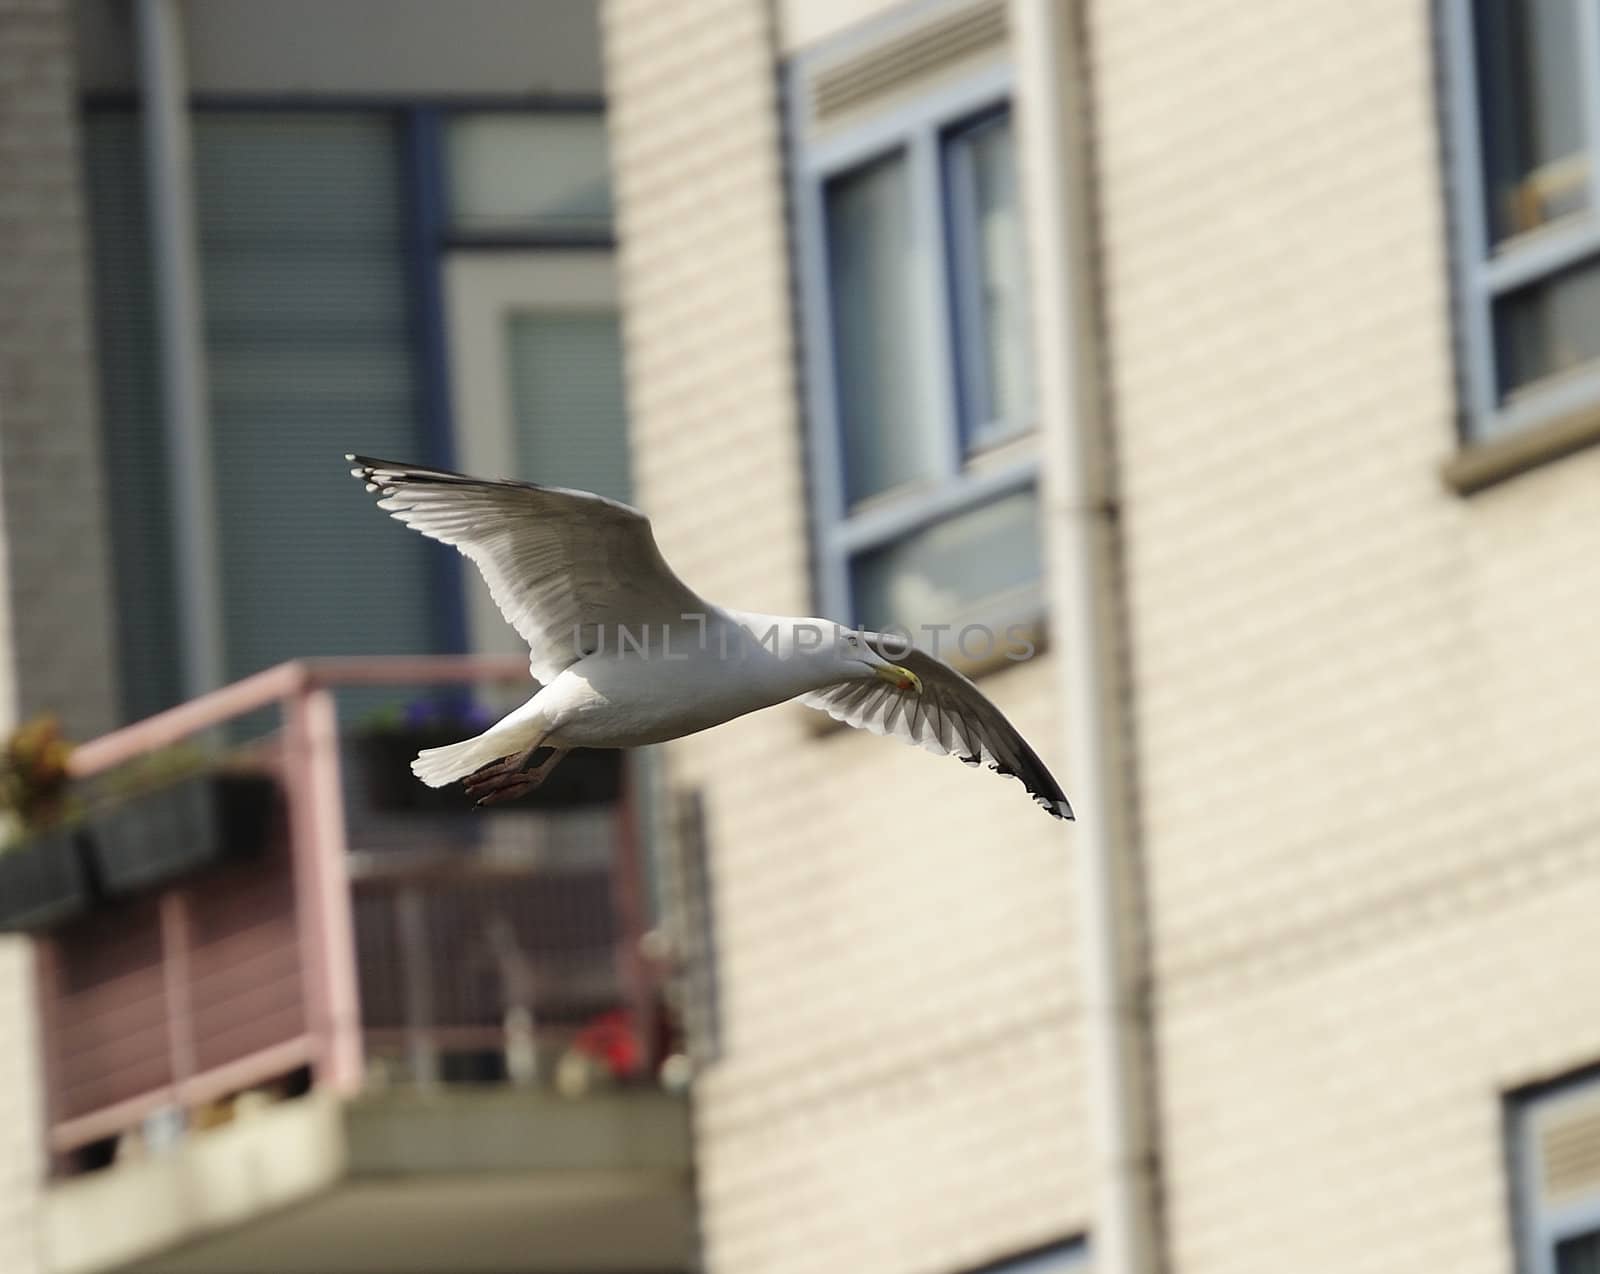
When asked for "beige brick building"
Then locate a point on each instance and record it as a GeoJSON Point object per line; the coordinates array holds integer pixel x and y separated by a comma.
{"type": "Point", "coordinates": [1365, 702]}
{"type": "Point", "coordinates": [1242, 353]}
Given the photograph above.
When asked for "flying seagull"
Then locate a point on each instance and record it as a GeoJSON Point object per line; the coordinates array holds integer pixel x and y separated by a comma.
{"type": "Point", "coordinates": [626, 654]}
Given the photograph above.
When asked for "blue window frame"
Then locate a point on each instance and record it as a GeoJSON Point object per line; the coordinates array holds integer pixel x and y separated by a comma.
{"type": "Point", "coordinates": [1524, 80]}
{"type": "Point", "coordinates": [1554, 1145]}
{"type": "Point", "coordinates": [915, 333]}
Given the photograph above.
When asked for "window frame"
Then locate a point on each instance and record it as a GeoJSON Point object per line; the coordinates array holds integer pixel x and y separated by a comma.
{"type": "Point", "coordinates": [423, 200]}
{"type": "Point", "coordinates": [1539, 1228]}
{"type": "Point", "coordinates": [1486, 271]}
{"type": "Point", "coordinates": [973, 472]}
{"type": "Point", "coordinates": [481, 292]}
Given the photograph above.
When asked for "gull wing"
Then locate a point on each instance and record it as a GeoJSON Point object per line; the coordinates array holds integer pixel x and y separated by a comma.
{"type": "Point", "coordinates": [558, 563]}
{"type": "Point", "coordinates": [951, 717]}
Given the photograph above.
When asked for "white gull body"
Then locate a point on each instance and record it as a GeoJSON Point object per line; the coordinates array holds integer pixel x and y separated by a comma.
{"type": "Point", "coordinates": [673, 679]}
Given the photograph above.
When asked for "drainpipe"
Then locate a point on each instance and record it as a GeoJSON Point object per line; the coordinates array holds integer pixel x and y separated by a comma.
{"type": "Point", "coordinates": [1079, 510]}
{"type": "Point", "coordinates": [175, 269]}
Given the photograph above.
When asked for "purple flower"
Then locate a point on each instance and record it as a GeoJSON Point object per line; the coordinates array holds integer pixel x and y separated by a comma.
{"type": "Point", "coordinates": [450, 710]}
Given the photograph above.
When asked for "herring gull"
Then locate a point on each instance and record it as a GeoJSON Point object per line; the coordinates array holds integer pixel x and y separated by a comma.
{"type": "Point", "coordinates": [626, 654]}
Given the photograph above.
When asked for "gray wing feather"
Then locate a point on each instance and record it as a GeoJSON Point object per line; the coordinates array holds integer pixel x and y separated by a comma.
{"type": "Point", "coordinates": [557, 562]}
{"type": "Point", "coordinates": [951, 717]}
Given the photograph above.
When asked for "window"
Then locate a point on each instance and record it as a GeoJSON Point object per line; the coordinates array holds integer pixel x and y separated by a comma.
{"type": "Point", "coordinates": [918, 378]}
{"type": "Point", "coordinates": [512, 174]}
{"type": "Point", "coordinates": [309, 354]}
{"type": "Point", "coordinates": [529, 302]}
{"type": "Point", "coordinates": [328, 240]}
{"type": "Point", "coordinates": [1555, 1162]}
{"type": "Point", "coordinates": [1071, 1257]}
{"type": "Point", "coordinates": [1526, 141]}
{"type": "Point", "coordinates": [568, 400]}
{"type": "Point", "coordinates": [536, 379]}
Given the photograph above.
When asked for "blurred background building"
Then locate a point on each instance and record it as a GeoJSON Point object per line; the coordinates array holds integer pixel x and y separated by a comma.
{"type": "Point", "coordinates": [1240, 357]}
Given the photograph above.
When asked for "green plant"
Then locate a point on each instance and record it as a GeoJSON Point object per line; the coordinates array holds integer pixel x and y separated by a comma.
{"type": "Point", "coordinates": [156, 769]}
{"type": "Point", "coordinates": [34, 778]}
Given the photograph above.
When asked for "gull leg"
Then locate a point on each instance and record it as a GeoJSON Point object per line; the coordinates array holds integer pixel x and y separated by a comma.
{"type": "Point", "coordinates": [487, 775]}
{"type": "Point", "coordinates": [513, 777]}
{"type": "Point", "coordinates": [495, 772]}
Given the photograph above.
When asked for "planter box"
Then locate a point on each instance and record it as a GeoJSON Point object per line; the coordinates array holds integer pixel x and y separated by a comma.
{"type": "Point", "coordinates": [586, 777]}
{"type": "Point", "coordinates": [43, 881]}
{"type": "Point", "coordinates": [386, 757]}
{"type": "Point", "coordinates": [172, 831]}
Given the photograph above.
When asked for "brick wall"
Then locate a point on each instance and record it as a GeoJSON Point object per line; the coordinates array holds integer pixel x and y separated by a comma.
{"type": "Point", "coordinates": [900, 1088]}
{"type": "Point", "coordinates": [55, 643]}
{"type": "Point", "coordinates": [59, 632]}
{"type": "Point", "coordinates": [1369, 710]}
{"type": "Point", "coordinates": [21, 1124]}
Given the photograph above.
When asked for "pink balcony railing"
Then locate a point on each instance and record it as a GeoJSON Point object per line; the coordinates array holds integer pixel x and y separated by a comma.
{"type": "Point", "coordinates": [462, 946]}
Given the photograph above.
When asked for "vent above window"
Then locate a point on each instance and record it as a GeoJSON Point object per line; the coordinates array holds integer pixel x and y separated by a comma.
{"type": "Point", "coordinates": [1569, 1149]}
{"type": "Point", "coordinates": [906, 60]}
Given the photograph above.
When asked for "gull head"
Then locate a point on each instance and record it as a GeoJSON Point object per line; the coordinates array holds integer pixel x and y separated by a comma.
{"type": "Point", "coordinates": [866, 663]}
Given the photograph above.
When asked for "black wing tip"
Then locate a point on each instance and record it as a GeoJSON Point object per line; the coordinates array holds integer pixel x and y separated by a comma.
{"type": "Point", "coordinates": [387, 477]}
{"type": "Point", "coordinates": [365, 469]}
{"type": "Point", "coordinates": [369, 466]}
{"type": "Point", "coordinates": [1040, 785]}
{"type": "Point", "coordinates": [1058, 808]}
{"type": "Point", "coordinates": [391, 475]}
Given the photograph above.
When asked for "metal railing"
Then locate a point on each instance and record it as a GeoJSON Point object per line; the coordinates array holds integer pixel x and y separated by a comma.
{"type": "Point", "coordinates": [357, 949]}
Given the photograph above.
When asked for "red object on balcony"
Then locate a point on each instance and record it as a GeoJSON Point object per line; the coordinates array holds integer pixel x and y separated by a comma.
{"type": "Point", "coordinates": [610, 1040]}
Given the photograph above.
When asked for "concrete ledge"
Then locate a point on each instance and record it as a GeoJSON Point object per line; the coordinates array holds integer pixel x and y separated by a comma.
{"type": "Point", "coordinates": [1483, 464]}
{"type": "Point", "coordinates": [212, 1180]}
{"type": "Point", "coordinates": [533, 1223]}
{"type": "Point", "coordinates": [507, 1130]}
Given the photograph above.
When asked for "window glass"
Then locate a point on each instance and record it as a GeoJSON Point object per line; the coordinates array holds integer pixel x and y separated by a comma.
{"type": "Point", "coordinates": [309, 354]}
{"type": "Point", "coordinates": [888, 439]}
{"type": "Point", "coordinates": [1058, 1260]}
{"type": "Point", "coordinates": [991, 298]}
{"type": "Point", "coordinates": [1548, 327]}
{"type": "Point", "coordinates": [978, 566]}
{"type": "Point", "coordinates": [567, 394]}
{"type": "Point", "coordinates": [1579, 1254]}
{"type": "Point", "coordinates": [511, 174]}
{"type": "Point", "coordinates": [1531, 95]}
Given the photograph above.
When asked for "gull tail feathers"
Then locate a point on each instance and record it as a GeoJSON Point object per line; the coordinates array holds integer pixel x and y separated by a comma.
{"type": "Point", "coordinates": [440, 766]}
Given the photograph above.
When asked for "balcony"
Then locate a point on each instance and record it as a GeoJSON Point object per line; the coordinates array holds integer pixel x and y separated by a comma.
{"type": "Point", "coordinates": [390, 1040]}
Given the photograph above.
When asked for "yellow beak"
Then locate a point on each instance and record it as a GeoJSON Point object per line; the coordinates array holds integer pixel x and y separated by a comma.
{"type": "Point", "coordinates": [900, 678]}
